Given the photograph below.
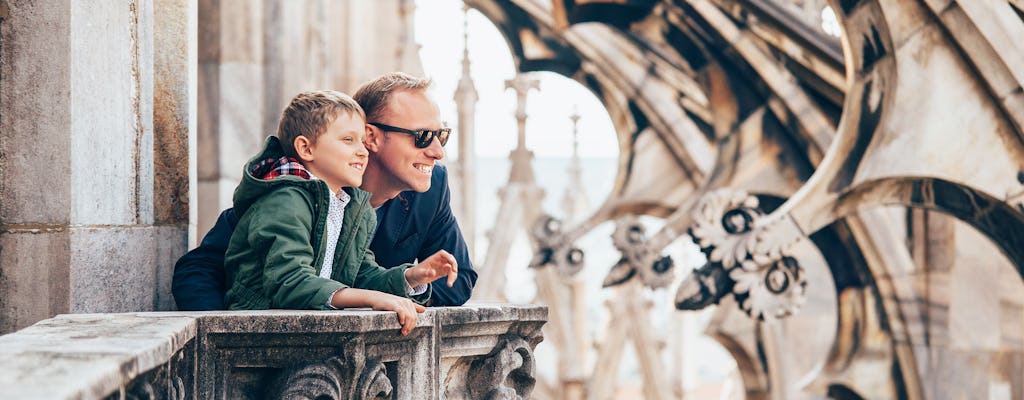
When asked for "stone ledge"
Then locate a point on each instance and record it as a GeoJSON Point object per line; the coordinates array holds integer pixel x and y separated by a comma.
{"type": "Point", "coordinates": [88, 355]}
{"type": "Point", "coordinates": [192, 353]}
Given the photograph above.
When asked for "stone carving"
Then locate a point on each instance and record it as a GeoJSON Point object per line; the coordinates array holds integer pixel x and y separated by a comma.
{"type": "Point", "coordinates": [638, 257]}
{"type": "Point", "coordinates": [751, 260]}
{"type": "Point", "coordinates": [504, 373]}
{"type": "Point", "coordinates": [349, 376]}
{"type": "Point", "coordinates": [555, 246]}
{"type": "Point", "coordinates": [140, 390]}
{"type": "Point", "coordinates": [160, 383]}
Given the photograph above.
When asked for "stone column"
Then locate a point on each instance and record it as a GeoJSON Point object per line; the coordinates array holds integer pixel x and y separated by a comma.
{"type": "Point", "coordinates": [79, 228]}
{"type": "Point", "coordinates": [174, 127]}
{"type": "Point", "coordinates": [231, 110]}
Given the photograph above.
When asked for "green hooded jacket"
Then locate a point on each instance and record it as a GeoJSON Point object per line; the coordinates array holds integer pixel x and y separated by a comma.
{"type": "Point", "coordinates": [277, 250]}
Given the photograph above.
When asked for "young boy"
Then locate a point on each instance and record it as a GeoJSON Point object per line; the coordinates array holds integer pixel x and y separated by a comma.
{"type": "Point", "coordinates": [303, 236]}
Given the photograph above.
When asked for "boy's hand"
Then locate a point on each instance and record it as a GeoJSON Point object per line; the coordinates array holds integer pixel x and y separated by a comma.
{"type": "Point", "coordinates": [437, 265]}
{"type": "Point", "coordinates": [405, 308]}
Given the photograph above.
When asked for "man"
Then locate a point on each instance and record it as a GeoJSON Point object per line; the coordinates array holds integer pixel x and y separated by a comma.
{"type": "Point", "coordinates": [408, 190]}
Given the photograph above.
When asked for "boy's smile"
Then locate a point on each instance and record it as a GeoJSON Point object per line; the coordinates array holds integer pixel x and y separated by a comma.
{"type": "Point", "coordinates": [338, 157]}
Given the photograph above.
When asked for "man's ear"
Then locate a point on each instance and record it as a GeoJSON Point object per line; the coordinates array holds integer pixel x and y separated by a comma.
{"type": "Point", "coordinates": [304, 148]}
{"type": "Point", "coordinates": [371, 139]}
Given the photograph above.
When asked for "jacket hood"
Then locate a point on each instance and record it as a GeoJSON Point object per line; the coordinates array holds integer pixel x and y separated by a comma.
{"type": "Point", "coordinates": [270, 162]}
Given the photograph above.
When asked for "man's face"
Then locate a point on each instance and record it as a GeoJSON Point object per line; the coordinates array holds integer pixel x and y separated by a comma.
{"type": "Point", "coordinates": [403, 165]}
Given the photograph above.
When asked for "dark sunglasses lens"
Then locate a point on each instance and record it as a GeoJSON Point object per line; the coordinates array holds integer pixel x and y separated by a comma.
{"type": "Point", "coordinates": [423, 138]}
{"type": "Point", "coordinates": [442, 136]}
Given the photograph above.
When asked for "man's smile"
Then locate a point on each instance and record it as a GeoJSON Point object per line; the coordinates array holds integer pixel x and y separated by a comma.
{"type": "Point", "coordinates": [424, 168]}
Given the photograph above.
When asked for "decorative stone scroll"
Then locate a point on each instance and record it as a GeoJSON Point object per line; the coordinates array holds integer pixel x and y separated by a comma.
{"type": "Point", "coordinates": [638, 257]}
{"type": "Point", "coordinates": [348, 376]}
{"type": "Point", "coordinates": [507, 372]}
{"type": "Point", "coordinates": [747, 256]}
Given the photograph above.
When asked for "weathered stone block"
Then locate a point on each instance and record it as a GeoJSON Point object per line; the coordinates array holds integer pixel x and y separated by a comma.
{"type": "Point", "coordinates": [34, 277]}
{"type": "Point", "coordinates": [174, 115]}
{"type": "Point", "coordinates": [112, 269]}
{"type": "Point", "coordinates": [170, 242]}
{"type": "Point", "coordinates": [36, 117]}
{"type": "Point", "coordinates": [109, 93]}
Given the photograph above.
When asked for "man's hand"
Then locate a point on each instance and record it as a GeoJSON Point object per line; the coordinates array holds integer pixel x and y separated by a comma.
{"type": "Point", "coordinates": [437, 265]}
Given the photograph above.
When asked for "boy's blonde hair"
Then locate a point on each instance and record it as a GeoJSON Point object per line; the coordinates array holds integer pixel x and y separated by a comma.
{"type": "Point", "coordinates": [310, 113]}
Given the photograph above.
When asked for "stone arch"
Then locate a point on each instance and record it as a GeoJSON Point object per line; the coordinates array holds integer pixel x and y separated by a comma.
{"type": "Point", "coordinates": [1001, 223]}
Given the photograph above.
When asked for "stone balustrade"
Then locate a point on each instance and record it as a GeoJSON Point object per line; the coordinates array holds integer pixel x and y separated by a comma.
{"type": "Point", "coordinates": [472, 352]}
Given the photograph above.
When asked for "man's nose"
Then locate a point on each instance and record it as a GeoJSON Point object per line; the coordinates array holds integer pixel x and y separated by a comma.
{"type": "Point", "coordinates": [435, 150]}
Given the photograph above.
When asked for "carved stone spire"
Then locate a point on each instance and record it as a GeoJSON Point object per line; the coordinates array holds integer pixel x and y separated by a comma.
{"type": "Point", "coordinates": [465, 168]}
{"type": "Point", "coordinates": [522, 170]}
{"type": "Point", "coordinates": [574, 200]}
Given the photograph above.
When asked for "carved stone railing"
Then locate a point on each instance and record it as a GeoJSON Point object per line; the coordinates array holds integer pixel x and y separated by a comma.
{"type": "Point", "coordinates": [470, 352]}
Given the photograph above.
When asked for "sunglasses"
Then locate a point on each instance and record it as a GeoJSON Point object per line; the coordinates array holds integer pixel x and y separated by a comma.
{"type": "Point", "coordinates": [422, 137]}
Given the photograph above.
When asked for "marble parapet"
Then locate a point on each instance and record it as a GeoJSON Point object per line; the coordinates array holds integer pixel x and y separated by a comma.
{"type": "Point", "coordinates": [470, 352]}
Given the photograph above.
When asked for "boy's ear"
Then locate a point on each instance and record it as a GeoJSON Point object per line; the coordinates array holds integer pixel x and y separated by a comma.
{"type": "Point", "coordinates": [304, 148]}
{"type": "Point", "coordinates": [371, 138]}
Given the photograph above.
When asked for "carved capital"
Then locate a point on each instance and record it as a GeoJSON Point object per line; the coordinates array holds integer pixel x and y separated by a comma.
{"type": "Point", "coordinates": [348, 376]}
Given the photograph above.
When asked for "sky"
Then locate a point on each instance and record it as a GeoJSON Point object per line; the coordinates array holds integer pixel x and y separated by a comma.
{"type": "Point", "coordinates": [439, 25]}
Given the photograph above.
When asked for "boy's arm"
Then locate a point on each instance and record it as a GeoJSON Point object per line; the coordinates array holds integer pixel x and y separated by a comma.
{"type": "Point", "coordinates": [374, 277]}
{"type": "Point", "coordinates": [389, 280]}
{"type": "Point", "coordinates": [198, 282]}
{"type": "Point", "coordinates": [279, 229]}
{"type": "Point", "coordinates": [444, 234]}
{"type": "Point", "coordinates": [380, 301]}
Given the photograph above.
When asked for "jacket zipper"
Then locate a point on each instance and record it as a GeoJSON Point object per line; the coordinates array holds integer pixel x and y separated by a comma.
{"type": "Point", "coordinates": [352, 234]}
{"type": "Point", "coordinates": [318, 230]}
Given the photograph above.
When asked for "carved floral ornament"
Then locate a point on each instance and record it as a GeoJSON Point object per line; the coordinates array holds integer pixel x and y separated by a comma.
{"type": "Point", "coordinates": [749, 255]}
{"type": "Point", "coordinates": [555, 247]}
{"type": "Point", "coordinates": [638, 257]}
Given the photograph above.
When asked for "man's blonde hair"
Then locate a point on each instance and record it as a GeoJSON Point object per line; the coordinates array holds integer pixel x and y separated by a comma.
{"type": "Point", "coordinates": [310, 113]}
{"type": "Point", "coordinates": [375, 94]}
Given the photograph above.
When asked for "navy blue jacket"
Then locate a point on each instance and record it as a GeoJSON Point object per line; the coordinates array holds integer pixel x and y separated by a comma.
{"type": "Point", "coordinates": [410, 227]}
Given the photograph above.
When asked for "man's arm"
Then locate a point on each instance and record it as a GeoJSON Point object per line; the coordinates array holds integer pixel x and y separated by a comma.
{"type": "Point", "coordinates": [198, 283]}
{"type": "Point", "coordinates": [444, 234]}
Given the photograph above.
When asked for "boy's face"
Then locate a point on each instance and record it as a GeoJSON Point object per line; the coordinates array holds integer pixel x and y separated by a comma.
{"type": "Point", "coordinates": [338, 157]}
